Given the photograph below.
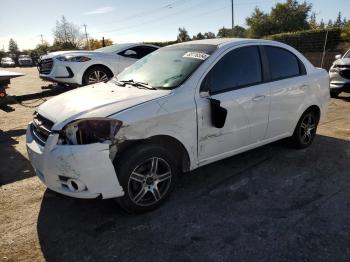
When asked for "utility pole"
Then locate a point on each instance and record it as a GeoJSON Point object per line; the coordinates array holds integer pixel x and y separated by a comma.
{"type": "Point", "coordinates": [42, 39]}
{"type": "Point", "coordinates": [86, 36]}
{"type": "Point", "coordinates": [233, 13]}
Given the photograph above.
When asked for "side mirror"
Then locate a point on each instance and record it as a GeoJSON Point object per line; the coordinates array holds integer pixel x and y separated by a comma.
{"type": "Point", "coordinates": [130, 53]}
{"type": "Point", "coordinates": [337, 57]}
{"type": "Point", "coordinates": [218, 113]}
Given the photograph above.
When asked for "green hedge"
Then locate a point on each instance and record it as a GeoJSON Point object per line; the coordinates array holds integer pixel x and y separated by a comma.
{"type": "Point", "coordinates": [310, 40]}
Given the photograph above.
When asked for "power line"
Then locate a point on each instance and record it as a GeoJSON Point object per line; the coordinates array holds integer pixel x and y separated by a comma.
{"type": "Point", "coordinates": [149, 12]}
{"type": "Point", "coordinates": [155, 20]}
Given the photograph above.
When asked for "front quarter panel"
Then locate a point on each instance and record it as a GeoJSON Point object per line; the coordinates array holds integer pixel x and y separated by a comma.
{"type": "Point", "coordinates": [173, 115]}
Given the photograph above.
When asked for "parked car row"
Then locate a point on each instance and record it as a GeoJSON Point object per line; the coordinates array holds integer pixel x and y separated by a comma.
{"type": "Point", "coordinates": [176, 109]}
{"type": "Point", "coordinates": [23, 60]}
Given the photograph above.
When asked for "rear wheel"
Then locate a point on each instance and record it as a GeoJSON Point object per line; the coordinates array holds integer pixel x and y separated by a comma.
{"type": "Point", "coordinates": [305, 131]}
{"type": "Point", "coordinates": [96, 74]}
{"type": "Point", "coordinates": [147, 174]}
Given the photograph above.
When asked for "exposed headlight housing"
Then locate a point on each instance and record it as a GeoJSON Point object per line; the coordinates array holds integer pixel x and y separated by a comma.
{"type": "Point", "coordinates": [92, 130]}
{"type": "Point", "coordinates": [71, 58]}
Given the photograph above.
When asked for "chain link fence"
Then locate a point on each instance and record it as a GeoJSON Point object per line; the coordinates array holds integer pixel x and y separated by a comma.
{"type": "Point", "coordinates": [319, 46]}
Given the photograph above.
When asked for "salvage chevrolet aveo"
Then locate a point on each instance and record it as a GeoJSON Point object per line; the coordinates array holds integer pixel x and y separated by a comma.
{"type": "Point", "coordinates": [179, 108]}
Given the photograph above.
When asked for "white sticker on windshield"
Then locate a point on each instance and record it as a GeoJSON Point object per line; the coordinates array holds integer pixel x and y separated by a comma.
{"type": "Point", "coordinates": [196, 55]}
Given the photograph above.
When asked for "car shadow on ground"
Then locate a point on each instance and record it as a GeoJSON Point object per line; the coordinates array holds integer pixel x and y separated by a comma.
{"type": "Point", "coordinates": [269, 204]}
{"type": "Point", "coordinates": [13, 165]}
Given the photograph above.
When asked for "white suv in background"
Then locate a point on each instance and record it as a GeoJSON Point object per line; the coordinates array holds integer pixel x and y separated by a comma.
{"type": "Point", "coordinates": [339, 75]}
{"type": "Point", "coordinates": [179, 108]}
{"type": "Point", "coordinates": [89, 67]}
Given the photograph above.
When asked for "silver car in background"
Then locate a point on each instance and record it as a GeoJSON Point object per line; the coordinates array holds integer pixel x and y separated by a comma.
{"type": "Point", "coordinates": [7, 62]}
{"type": "Point", "coordinates": [339, 74]}
{"type": "Point", "coordinates": [25, 60]}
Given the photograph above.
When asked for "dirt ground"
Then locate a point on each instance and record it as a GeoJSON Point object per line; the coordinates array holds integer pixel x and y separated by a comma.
{"type": "Point", "coordinates": [269, 204]}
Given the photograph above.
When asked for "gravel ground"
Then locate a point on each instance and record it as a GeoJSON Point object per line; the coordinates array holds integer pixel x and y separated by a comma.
{"type": "Point", "coordinates": [269, 204]}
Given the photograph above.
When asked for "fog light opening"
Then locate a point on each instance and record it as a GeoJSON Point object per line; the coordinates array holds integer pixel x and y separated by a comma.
{"type": "Point", "coordinates": [75, 185]}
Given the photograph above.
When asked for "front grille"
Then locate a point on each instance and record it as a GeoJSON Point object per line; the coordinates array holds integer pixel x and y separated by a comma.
{"type": "Point", "coordinates": [41, 129]}
{"type": "Point", "coordinates": [45, 66]}
{"type": "Point", "coordinates": [345, 73]}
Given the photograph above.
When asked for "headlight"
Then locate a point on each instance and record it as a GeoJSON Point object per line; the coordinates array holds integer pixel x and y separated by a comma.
{"type": "Point", "coordinates": [334, 68]}
{"type": "Point", "coordinates": [70, 58]}
{"type": "Point", "coordinates": [93, 130]}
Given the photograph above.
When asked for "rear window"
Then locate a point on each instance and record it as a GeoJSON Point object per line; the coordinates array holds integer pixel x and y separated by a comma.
{"type": "Point", "coordinates": [282, 63]}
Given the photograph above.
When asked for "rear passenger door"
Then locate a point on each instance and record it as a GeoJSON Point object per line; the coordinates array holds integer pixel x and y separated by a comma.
{"type": "Point", "coordinates": [237, 81]}
{"type": "Point", "coordinates": [289, 85]}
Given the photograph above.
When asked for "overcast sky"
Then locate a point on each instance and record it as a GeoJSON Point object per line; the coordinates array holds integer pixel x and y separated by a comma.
{"type": "Point", "coordinates": [134, 20]}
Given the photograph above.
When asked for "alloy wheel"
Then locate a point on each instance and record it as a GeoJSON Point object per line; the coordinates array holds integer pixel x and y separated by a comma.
{"type": "Point", "coordinates": [307, 129]}
{"type": "Point", "coordinates": [98, 76]}
{"type": "Point", "coordinates": [149, 181]}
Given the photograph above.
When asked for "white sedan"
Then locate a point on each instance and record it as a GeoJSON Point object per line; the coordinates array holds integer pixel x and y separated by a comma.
{"type": "Point", "coordinates": [89, 67]}
{"type": "Point", "coordinates": [182, 107]}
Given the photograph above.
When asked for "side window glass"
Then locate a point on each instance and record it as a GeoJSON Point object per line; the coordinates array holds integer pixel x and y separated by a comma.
{"type": "Point", "coordinates": [282, 63]}
{"type": "Point", "coordinates": [238, 68]}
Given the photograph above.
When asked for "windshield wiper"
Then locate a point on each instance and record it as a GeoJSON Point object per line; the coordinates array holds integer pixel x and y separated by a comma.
{"type": "Point", "coordinates": [137, 84]}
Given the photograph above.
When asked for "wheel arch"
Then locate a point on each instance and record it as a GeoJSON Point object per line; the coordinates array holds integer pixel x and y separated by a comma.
{"type": "Point", "coordinates": [168, 142]}
{"type": "Point", "coordinates": [314, 108]}
{"type": "Point", "coordinates": [97, 65]}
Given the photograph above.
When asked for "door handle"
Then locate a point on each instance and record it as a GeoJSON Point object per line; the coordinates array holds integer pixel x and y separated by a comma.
{"type": "Point", "coordinates": [303, 86]}
{"type": "Point", "coordinates": [258, 97]}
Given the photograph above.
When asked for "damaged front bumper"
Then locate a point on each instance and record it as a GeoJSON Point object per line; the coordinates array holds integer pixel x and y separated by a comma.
{"type": "Point", "coordinates": [81, 171]}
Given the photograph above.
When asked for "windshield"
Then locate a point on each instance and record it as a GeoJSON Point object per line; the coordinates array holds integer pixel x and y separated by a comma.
{"type": "Point", "coordinates": [347, 55]}
{"type": "Point", "coordinates": [113, 48]}
{"type": "Point", "coordinates": [168, 67]}
{"type": "Point", "coordinates": [24, 56]}
{"type": "Point", "coordinates": [7, 59]}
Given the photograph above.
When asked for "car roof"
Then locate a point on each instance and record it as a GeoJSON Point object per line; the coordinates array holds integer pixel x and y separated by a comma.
{"type": "Point", "coordinates": [219, 42]}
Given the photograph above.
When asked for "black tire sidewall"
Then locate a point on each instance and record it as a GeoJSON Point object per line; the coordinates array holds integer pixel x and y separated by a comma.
{"type": "Point", "coordinates": [296, 135]}
{"type": "Point", "coordinates": [129, 160]}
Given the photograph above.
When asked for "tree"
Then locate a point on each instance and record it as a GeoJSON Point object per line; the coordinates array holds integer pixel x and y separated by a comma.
{"type": "Point", "coordinates": [199, 36]}
{"type": "Point", "coordinates": [284, 17]}
{"type": "Point", "coordinates": [312, 22]}
{"type": "Point", "coordinates": [290, 16]}
{"type": "Point", "coordinates": [338, 22]}
{"type": "Point", "coordinates": [259, 24]}
{"type": "Point", "coordinates": [67, 35]}
{"type": "Point", "coordinates": [95, 43]}
{"type": "Point", "coordinates": [237, 31]}
{"type": "Point", "coordinates": [322, 25]}
{"type": "Point", "coordinates": [209, 35]}
{"type": "Point", "coordinates": [13, 47]}
{"type": "Point", "coordinates": [346, 32]}
{"type": "Point", "coordinates": [183, 35]}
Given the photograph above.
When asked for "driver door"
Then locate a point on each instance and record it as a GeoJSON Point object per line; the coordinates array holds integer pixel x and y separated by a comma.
{"type": "Point", "coordinates": [236, 80]}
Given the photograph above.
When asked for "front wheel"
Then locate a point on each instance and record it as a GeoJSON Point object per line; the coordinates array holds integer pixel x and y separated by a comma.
{"type": "Point", "coordinates": [147, 174]}
{"type": "Point", "coordinates": [95, 75]}
{"type": "Point", "coordinates": [305, 131]}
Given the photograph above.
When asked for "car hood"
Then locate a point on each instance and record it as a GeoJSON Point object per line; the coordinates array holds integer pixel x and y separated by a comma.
{"type": "Point", "coordinates": [343, 61]}
{"type": "Point", "coordinates": [99, 100]}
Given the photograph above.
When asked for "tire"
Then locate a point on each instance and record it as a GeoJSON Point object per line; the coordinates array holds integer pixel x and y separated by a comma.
{"type": "Point", "coordinates": [305, 130]}
{"type": "Point", "coordinates": [96, 74]}
{"type": "Point", "coordinates": [334, 94]}
{"type": "Point", "coordinates": [144, 188]}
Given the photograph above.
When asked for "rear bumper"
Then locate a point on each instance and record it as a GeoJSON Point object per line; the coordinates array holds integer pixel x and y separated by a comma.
{"type": "Point", "coordinates": [89, 166]}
